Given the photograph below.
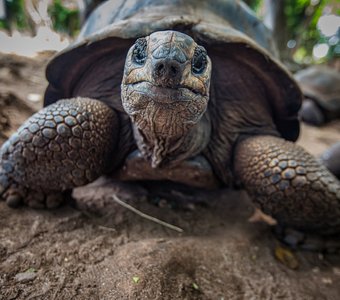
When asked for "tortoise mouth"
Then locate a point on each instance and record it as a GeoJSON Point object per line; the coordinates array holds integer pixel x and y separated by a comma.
{"type": "Point", "coordinates": [164, 94]}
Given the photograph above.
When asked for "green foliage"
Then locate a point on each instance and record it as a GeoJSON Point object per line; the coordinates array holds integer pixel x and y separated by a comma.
{"type": "Point", "coordinates": [64, 19]}
{"type": "Point", "coordinates": [302, 17]}
{"type": "Point", "coordinates": [3, 24]}
{"type": "Point", "coordinates": [16, 16]}
{"type": "Point", "coordinates": [255, 4]}
{"type": "Point", "coordinates": [302, 20]}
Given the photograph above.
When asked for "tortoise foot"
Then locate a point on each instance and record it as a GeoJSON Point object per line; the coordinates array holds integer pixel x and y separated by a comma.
{"type": "Point", "coordinates": [65, 145]}
{"type": "Point", "coordinates": [289, 184]}
{"type": "Point", "coordinates": [16, 195]}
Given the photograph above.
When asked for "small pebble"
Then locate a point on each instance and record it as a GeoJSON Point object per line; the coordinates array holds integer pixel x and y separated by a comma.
{"type": "Point", "coordinates": [25, 277]}
{"type": "Point", "coordinates": [336, 271]}
{"type": "Point", "coordinates": [327, 280]}
{"type": "Point", "coordinates": [34, 97]}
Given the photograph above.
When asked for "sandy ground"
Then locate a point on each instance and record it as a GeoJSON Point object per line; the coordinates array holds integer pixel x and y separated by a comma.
{"type": "Point", "coordinates": [112, 253]}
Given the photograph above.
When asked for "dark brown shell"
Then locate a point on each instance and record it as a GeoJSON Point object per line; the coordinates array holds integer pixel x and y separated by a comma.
{"type": "Point", "coordinates": [114, 26]}
{"type": "Point", "coordinates": [322, 85]}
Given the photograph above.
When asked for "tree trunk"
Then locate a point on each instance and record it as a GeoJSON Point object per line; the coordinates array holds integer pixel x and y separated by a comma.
{"type": "Point", "coordinates": [275, 20]}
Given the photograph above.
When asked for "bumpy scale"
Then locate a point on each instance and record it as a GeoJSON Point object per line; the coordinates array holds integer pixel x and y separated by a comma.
{"type": "Point", "coordinates": [288, 183]}
{"type": "Point", "coordinates": [64, 145]}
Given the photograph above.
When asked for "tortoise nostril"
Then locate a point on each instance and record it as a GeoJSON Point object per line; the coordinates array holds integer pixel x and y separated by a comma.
{"type": "Point", "coordinates": [160, 67]}
{"type": "Point", "coordinates": [173, 71]}
{"type": "Point", "coordinates": [167, 72]}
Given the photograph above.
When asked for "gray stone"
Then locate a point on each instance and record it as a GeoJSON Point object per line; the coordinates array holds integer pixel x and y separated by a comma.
{"type": "Point", "coordinates": [25, 277]}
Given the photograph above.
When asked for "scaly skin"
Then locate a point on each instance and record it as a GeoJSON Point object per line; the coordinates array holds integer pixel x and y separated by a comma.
{"type": "Point", "coordinates": [166, 97]}
{"type": "Point", "coordinates": [287, 183]}
{"type": "Point", "coordinates": [64, 145]}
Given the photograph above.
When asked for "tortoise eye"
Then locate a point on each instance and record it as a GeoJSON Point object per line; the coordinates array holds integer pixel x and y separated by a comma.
{"type": "Point", "coordinates": [199, 60]}
{"type": "Point", "coordinates": [139, 52]}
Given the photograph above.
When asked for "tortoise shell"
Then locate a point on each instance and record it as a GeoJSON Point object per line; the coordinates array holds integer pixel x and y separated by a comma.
{"type": "Point", "coordinates": [96, 60]}
{"type": "Point", "coordinates": [322, 85]}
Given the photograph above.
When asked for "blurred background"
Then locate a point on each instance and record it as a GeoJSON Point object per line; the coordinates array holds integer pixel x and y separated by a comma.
{"type": "Point", "coordinates": [306, 31]}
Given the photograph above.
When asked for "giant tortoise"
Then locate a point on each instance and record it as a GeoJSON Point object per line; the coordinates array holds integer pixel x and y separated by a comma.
{"type": "Point", "coordinates": [187, 91]}
{"type": "Point", "coordinates": [320, 85]}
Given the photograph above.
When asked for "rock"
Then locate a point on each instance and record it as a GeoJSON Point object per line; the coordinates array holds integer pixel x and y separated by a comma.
{"type": "Point", "coordinates": [25, 277]}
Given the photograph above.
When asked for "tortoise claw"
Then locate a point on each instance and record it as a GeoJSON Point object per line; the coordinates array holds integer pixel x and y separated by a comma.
{"type": "Point", "coordinates": [38, 199]}
{"type": "Point", "coordinates": [16, 195]}
{"type": "Point", "coordinates": [9, 191]}
{"type": "Point", "coordinates": [13, 200]}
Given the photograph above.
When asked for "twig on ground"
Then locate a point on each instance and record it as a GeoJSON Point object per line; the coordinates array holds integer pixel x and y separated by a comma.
{"type": "Point", "coordinates": [145, 216]}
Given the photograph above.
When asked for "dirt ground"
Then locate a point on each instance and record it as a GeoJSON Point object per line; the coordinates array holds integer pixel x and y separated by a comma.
{"type": "Point", "coordinates": [109, 252]}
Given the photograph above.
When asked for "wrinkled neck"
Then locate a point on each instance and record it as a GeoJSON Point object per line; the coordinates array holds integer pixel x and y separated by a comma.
{"type": "Point", "coordinates": [165, 145]}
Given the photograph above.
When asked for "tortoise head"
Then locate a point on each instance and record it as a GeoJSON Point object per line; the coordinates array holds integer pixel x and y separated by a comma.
{"type": "Point", "coordinates": [165, 86]}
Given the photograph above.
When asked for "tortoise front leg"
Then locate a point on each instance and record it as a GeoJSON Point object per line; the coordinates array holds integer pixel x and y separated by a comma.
{"type": "Point", "coordinates": [287, 183]}
{"type": "Point", "coordinates": [64, 145]}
